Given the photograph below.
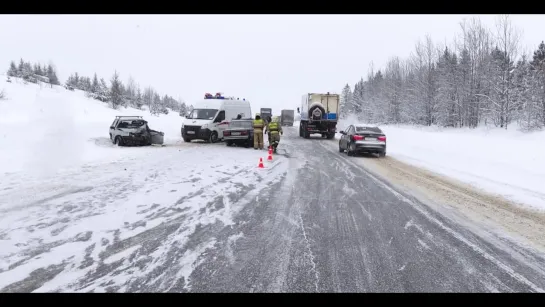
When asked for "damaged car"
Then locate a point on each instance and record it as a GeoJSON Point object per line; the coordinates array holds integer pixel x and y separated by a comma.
{"type": "Point", "coordinates": [134, 130]}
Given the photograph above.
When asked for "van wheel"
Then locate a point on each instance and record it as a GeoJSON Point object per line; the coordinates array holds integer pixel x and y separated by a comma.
{"type": "Point", "coordinates": [213, 137]}
{"type": "Point", "coordinates": [187, 140]}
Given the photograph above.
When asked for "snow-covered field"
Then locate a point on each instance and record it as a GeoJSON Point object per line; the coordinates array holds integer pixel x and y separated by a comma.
{"type": "Point", "coordinates": [44, 129]}
{"type": "Point", "coordinates": [505, 162]}
{"type": "Point", "coordinates": [76, 207]}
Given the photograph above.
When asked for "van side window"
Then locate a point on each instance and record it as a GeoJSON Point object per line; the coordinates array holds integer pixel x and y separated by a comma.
{"type": "Point", "coordinates": [220, 117]}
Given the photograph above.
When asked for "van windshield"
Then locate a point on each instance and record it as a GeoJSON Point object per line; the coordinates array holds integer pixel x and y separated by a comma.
{"type": "Point", "coordinates": [202, 114]}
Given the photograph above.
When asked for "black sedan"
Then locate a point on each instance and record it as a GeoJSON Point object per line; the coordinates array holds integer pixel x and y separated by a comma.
{"type": "Point", "coordinates": [363, 139]}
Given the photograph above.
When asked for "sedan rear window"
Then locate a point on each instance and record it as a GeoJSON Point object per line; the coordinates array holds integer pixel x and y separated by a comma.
{"type": "Point", "coordinates": [368, 129]}
{"type": "Point", "coordinates": [240, 124]}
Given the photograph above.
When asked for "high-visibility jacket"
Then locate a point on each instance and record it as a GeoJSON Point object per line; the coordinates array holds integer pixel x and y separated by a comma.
{"type": "Point", "coordinates": [258, 124]}
{"type": "Point", "coordinates": [273, 127]}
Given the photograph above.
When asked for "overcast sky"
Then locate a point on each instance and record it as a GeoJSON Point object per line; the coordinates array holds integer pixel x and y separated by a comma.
{"type": "Point", "coordinates": [270, 59]}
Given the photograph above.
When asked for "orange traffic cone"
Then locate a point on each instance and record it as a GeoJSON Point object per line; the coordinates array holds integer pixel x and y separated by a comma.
{"type": "Point", "coordinates": [269, 158]}
{"type": "Point", "coordinates": [260, 163]}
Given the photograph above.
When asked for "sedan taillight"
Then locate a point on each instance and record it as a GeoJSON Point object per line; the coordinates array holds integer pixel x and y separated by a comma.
{"type": "Point", "coordinates": [382, 138]}
{"type": "Point", "coordinates": [226, 133]}
{"type": "Point", "coordinates": [357, 138]}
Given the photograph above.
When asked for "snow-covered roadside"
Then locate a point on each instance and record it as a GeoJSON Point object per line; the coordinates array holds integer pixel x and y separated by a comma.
{"type": "Point", "coordinates": [133, 211]}
{"type": "Point", "coordinates": [509, 163]}
{"type": "Point", "coordinates": [43, 130]}
{"type": "Point", "coordinates": [79, 214]}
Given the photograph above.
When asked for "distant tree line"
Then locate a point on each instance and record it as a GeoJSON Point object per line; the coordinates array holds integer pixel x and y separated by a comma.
{"type": "Point", "coordinates": [130, 94]}
{"type": "Point", "coordinates": [483, 77]}
{"type": "Point", "coordinates": [33, 72]}
{"type": "Point", "coordinates": [115, 93]}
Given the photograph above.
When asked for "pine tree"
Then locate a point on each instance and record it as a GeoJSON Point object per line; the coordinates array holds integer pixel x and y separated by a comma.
{"type": "Point", "coordinates": [12, 72]}
{"type": "Point", "coordinates": [95, 85]}
{"type": "Point", "coordinates": [52, 75]}
{"type": "Point", "coordinates": [104, 90]}
{"type": "Point", "coordinates": [538, 69]}
{"type": "Point", "coordinates": [116, 94]}
{"type": "Point", "coordinates": [27, 71]}
{"type": "Point", "coordinates": [20, 68]}
{"type": "Point", "coordinates": [346, 98]}
{"type": "Point", "coordinates": [138, 101]}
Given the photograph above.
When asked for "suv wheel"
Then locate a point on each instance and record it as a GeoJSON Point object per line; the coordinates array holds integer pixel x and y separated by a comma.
{"type": "Point", "coordinates": [119, 141]}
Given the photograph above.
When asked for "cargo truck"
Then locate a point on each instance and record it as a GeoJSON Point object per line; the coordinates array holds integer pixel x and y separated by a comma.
{"type": "Point", "coordinates": [265, 113]}
{"type": "Point", "coordinates": [286, 117]}
{"type": "Point", "coordinates": [319, 114]}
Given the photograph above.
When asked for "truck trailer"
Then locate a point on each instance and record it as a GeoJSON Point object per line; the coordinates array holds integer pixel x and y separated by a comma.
{"type": "Point", "coordinates": [287, 117]}
{"type": "Point", "coordinates": [319, 114]}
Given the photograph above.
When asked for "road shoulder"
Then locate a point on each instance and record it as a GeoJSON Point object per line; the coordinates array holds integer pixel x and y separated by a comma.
{"type": "Point", "coordinates": [492, 213]}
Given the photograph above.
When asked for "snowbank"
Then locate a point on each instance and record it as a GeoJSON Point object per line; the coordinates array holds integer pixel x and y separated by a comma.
{"type": "Point", "coordinates": [44, 129]}
{"type": "Point", "coordinates": [505, 162]}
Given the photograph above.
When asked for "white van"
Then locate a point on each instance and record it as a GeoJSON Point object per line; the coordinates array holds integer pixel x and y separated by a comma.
{"type": "Point", "coordinates": [211, 116]}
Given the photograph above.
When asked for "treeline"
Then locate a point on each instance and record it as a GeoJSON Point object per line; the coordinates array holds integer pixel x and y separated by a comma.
{"type": "Point", "coordinates": [482, 77]}
{"type": "Point", "coordinates": [33, 72]}
{"type": "Point", "coordinates": [117, 94]}
{"type": "Point", "coordinates": [114, 92]}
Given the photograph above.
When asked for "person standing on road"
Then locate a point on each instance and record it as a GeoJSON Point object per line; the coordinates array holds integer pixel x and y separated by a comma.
{"type": "Point", "coordinates": [273, 130]}
{"type": "Point", "coordinates": [258, 132]}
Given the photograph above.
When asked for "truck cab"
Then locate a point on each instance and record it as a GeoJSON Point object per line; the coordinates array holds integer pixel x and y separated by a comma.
{"type": "Point", "coordinates": [265, 113]}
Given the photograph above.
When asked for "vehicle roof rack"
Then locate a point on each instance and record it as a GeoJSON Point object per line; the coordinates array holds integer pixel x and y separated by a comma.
{"type": "Point", "coordinates": [129, 116]}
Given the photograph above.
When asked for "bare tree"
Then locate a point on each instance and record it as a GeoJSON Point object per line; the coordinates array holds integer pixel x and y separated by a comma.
{"type": "Point", "coordinates": [506, 53]}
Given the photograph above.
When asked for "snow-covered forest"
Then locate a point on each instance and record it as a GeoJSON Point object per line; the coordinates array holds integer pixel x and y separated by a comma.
{"type": "Point", "coordinates": [115, 92]}
{"type": "Point", "coordinates": [483, 77]}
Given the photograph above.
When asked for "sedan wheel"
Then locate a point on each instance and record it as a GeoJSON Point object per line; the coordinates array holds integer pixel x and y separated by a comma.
{"type": "Point", "coordinates": [351, 151]}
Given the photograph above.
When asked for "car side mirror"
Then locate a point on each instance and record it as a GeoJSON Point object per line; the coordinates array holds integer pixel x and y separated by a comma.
{"type": "Point", "coordinates": [342, 132]}
{"type": "Point", "coordinates": [187, 116]}
{"type": "Point", "coordinates": [111, 127]}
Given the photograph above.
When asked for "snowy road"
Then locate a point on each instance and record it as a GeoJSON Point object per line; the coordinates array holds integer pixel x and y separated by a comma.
{"type": "Point", "coordinates": [203, 218]}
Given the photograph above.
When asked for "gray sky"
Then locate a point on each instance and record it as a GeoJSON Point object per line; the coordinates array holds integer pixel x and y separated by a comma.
{"type": "Point", "coordinates": [270, 59]}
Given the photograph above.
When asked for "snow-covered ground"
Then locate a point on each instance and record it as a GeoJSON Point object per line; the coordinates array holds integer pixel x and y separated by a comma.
{"type": "Point", "coordinates": [505, 162]}
{"type": "Point", "coordinates": [44, 129]}
{"type": "Point", "coordinates": [77, 207]}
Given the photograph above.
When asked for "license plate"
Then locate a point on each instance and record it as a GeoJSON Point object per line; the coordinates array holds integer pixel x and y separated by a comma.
{"type": "Point", "coordinates": [235, 133]}
{"type": "Point", "coordinates": [370, 139]}
{"type": "Point", "coordinates": [190, 132]}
